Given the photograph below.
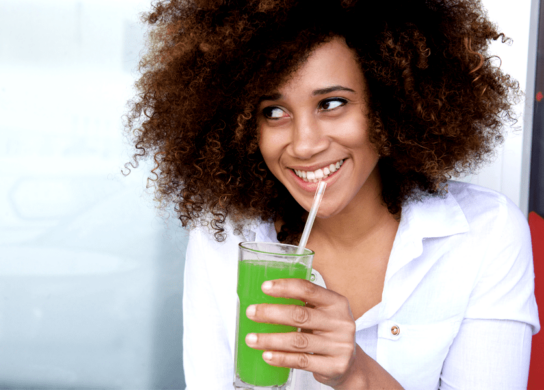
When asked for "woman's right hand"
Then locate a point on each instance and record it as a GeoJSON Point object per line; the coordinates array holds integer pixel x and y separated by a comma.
{"type": "Point", "coordinates": [329, 351]}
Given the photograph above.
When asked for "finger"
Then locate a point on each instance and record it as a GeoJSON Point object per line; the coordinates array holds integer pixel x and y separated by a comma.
{"type": "Point", "coordinates": [299, 342]}
{"type": "Point", "coordinates": [303, 290]}
{"type": "Point", "coordinates": [300, 317]}
{"type": "Point", "coordinates": [320, 365]}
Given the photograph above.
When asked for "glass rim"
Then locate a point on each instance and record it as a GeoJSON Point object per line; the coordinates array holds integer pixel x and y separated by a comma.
{"type": "Point", "coordinates": [307, 252]}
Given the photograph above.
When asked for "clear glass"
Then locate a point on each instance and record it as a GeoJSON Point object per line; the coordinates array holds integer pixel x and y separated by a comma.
{"type": "Point", "coordinates": [257, 263]}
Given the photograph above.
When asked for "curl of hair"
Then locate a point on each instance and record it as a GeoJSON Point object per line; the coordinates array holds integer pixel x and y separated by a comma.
{"type": "Point", "coordinates": [437, 102]}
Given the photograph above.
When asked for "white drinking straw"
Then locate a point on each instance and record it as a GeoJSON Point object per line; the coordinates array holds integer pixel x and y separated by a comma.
{"type": "Point", "coordinates": [311, 217]}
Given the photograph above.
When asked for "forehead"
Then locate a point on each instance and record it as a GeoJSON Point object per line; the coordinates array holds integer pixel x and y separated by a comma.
{"type": "Point", "coordinates": [331, 63]}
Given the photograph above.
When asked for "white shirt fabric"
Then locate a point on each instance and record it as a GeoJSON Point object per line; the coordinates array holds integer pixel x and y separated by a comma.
{"type": "Point", "coordinates": [459, 286]}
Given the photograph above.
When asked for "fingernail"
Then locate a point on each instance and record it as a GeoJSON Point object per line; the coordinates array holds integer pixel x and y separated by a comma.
{"type": "Point", "coordinates": [251, 338]}
{"type": "Point", "coordinates": [267, 355]}
{"type": "Point", "coordinates": [250, 312]}
{"type": "Point", "coordinates": [266, 285]}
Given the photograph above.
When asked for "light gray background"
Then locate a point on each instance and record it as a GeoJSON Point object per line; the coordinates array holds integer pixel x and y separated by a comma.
{"type": "Point", "coordinates": [91, 277]}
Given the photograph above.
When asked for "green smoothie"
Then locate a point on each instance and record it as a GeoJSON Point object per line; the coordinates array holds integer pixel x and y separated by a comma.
{"type": "Point", "coordinates": [251, 368]}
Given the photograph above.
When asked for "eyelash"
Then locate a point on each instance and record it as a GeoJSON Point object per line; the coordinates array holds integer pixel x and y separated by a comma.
{"type": "Point", "coordinates": [321, 104]}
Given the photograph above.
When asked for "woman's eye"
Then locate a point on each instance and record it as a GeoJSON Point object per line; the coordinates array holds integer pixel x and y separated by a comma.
{"type": "Point", "coordinates": [331, 104]}
{"type": "Point", "coordinates": [274, 113]}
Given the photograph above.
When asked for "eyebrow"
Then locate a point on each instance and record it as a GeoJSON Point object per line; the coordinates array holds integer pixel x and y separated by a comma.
{"type": "Point", "coordinates": [322, 91]}
{"type": "Point", "coordinates": [334, 88]}
{"type": "Point", "coordinates": [274, 96]}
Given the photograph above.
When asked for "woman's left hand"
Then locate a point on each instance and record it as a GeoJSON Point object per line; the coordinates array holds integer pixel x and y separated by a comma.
{"type": "Point", "coordinates": [329, 351]}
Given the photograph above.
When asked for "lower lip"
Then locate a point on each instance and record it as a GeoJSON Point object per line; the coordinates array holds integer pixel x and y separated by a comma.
{"type": "Point", "coordinates": [311, 187]}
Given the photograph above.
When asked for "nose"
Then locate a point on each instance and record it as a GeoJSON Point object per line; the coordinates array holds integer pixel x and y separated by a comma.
{"type": "Point", "coordinates": [308, 138]}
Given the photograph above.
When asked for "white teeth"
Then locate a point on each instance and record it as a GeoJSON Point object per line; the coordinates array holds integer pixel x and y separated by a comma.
{"type": "Point", "coordinates": [318, 174]}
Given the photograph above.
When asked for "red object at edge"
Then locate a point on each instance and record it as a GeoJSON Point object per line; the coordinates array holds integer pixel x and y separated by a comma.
{"type": "Point", "coordinates": [536, 371]}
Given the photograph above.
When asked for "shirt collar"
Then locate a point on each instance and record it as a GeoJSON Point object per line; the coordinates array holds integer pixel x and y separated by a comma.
{"type": "Point", "coordinates": [431, 217]}
{"type": "Point", "coordinates": [261, 232]}
{"type": "Point", "coordinates": [434, 216]}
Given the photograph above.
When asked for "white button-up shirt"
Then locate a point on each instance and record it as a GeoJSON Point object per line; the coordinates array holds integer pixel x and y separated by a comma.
{"type": "Point", "coordinates": [458, 309]}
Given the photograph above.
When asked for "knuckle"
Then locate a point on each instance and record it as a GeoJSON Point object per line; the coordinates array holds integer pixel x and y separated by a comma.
{"type": "Point", "coordinates": [303, 361]}
{"type": "Point", "coordinates": [309, 288]}
{"type": "Point", "coordinates": [340, 367]}
{"type": "Point", "coordinates": [300, 315]}
{"type": "Point", "coordinates": [300, 341]}
{"type": "Point", "coordinates": [351, 327]}
{"type": "Point", "coordinates": [344, 349]}
{"type": "Point", "coordinates": [335, 372]}
{"type": "Point", "coordinates": [344, 366]}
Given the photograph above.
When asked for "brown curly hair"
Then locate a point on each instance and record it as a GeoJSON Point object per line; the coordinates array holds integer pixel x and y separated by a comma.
{"type": "Point", "coordinates": [437, 101]}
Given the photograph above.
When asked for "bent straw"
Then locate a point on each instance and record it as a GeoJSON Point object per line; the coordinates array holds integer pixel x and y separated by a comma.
{"type": "Point", "coordinates": [311, 217]}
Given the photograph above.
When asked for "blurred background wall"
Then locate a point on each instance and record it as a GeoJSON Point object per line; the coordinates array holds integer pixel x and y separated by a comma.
{"type": "Point", "coordinates": [91, 276]}
{"type": "Point", "coordinates": [509, 172]}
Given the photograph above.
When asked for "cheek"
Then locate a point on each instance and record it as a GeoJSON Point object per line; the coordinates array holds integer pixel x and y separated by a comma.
{"type": "Point", "coordinates": [271, 144]}
{"type": "Point", "coordinates": [355, 136]}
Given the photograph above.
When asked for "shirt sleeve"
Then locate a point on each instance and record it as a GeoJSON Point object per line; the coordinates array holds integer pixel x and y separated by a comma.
{"type": "Point", "coordinates": [493, 346]}
{"type": "Point", "coordinates": [504, 289]}
{"type": "Point", "coordinates": [207, 356]}
{"type": "Point", "coordinates": [488, 354]}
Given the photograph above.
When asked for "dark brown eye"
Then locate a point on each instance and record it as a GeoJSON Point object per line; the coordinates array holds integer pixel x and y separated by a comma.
{"type": "Point", "coordinates": [274, 113]}
{"type": "Point", "coordinates": [331, 104]}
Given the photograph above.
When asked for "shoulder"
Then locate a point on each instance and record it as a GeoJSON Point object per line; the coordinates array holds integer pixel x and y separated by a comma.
{"type": "Point", "coordinates": [488, 236]}
{"type": "Point", "coordinates": [204, 243]}
{"type": "Point", "coordinates": [497, 227]}
{"type": "Point", "coordinates": [501, 242]}
{"type": "Point", "coordinates": [475, 215]}
{"type": "Point", "coordinates": [489, 211]}
{"type": "Point", "coordinates": [476, 201]}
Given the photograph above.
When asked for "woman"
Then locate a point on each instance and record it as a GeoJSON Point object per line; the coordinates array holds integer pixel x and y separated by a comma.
{"type": "Point", "coordinates": [420, 283]}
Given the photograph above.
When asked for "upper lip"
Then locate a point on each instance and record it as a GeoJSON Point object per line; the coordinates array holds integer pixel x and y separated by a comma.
{"type": "Point", "coordinates": [316, 166]}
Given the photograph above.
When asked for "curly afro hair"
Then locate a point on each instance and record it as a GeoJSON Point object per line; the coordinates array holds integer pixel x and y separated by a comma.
{"type": "Point", "coordinates": [437, 102]}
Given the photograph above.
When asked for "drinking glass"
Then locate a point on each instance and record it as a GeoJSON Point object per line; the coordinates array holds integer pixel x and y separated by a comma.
{"type": "Point", "coordinates": [257, 263]}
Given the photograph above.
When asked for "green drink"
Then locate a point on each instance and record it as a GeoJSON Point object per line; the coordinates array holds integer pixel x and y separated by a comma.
{"type": "Point", "coordinates": [251, 370]}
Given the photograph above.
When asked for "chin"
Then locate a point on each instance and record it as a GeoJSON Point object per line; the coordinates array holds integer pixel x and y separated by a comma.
{"type": "Point", "coordinates": [327, 212]}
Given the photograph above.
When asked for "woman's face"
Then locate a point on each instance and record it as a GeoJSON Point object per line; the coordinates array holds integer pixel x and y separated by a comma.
{"type": "Point", "coordinates": [315, 125]}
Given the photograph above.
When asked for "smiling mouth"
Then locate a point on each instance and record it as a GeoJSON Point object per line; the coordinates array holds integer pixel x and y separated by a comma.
{"type": "Point", "coordinates": [318, 174]}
